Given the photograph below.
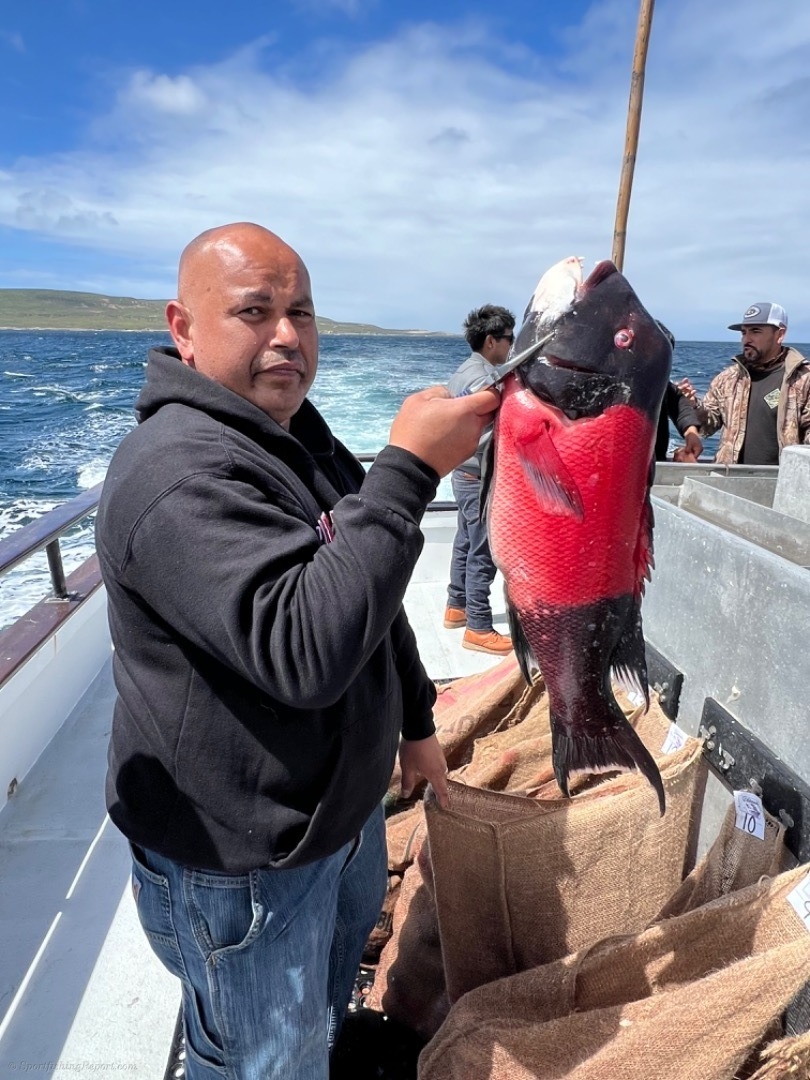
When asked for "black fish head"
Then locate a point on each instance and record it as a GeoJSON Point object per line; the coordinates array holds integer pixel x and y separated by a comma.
{"type": "Point", "coordinates": [605, 347]}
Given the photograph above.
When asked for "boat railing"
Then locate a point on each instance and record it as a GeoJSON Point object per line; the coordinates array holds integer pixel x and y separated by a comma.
{"type": "Point", "coordinates": [67, 592]}
{"type": "Point", "coordinates": [45, 533]}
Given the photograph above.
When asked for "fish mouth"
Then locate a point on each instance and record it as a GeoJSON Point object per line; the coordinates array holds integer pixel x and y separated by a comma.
{"type": "Point", "coordinates": [560, 362]}
{"type": "Point", "coordinates": [601, 272]}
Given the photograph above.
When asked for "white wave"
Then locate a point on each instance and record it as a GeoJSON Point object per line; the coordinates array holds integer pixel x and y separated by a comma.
{"type": "Point", "coordinates": [22, 512]}
{"type": "Point", "coordinates": [92, 473]}
{"type": "Point", "coordinates": [19, 374]}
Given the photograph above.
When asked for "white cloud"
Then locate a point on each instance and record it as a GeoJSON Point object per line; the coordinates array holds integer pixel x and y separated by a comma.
{"type": "Point", "coordinates": [178, 96]}
{"type": "Point", "coordinates": [441, 169]}
{"type": "Point", "coordinates": [346, 7]}
{"type": "Point", "coordinates": [14, 39]}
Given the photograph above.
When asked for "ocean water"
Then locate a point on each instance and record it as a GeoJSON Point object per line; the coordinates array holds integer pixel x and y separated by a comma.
{"type": "Point", "coordinates": [66, 401]}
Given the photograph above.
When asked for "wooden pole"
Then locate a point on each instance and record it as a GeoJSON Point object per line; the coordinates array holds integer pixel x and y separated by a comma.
{"type": "Point", "coordinates": [633, 126]}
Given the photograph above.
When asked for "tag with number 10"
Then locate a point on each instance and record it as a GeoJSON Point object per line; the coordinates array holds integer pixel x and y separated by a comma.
{"type": "Point", "coordinates": [750, 815]}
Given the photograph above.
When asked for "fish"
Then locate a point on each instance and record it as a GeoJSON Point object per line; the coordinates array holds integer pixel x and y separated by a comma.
{"type": "Point", "coordinates": [566, 496]}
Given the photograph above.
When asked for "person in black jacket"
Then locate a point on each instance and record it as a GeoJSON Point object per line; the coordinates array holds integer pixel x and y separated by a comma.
{"type": "Point", "coordinates": [266, 672]}
{"type": "Point", "coordinates": [677, 407]}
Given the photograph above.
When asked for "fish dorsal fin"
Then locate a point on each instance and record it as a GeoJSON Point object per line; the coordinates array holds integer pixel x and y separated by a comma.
{"type": "Point", "coordinates": [552, 482]}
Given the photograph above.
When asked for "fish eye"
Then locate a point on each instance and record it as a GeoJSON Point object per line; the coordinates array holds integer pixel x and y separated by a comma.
{"type": "Point", "coordinates": [623, 339]}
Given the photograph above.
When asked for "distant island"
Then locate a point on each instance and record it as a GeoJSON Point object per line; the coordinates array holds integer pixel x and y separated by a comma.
{"type": "Point", "coordinates": [54, 309]}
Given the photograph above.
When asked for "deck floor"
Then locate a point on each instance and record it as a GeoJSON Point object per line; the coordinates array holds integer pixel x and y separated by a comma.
{"type": "Point", "coordinates": [80, 990]}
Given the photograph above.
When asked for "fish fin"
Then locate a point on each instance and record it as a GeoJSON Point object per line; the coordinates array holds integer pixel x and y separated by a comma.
{"type": "Point", "coordinates": [629, 660]}
{"type": "Point", "coordinates": [618, 748]}
{"type": "Point", "coordinates": [645, 562]}
{"type": "Point", "coordinates": [553, 483]}
{"type": "Point", "coordinates": [523, 650]}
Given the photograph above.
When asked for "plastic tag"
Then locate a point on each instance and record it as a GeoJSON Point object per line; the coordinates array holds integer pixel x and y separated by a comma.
{"type": "Point", "coordinates": [799, 899]}
{"type": "Point", "coordinates": [635, 697]}
{"type": "Point", "coordinates": [750, 815]}
{"type": "Point", "coordinates": [676, 739]}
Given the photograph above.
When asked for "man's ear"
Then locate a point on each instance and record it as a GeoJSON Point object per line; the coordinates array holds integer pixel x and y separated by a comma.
{"type": "Point", "coordinates": [179, 319]}
{"type": "Point", "coordinates": [780, 334]}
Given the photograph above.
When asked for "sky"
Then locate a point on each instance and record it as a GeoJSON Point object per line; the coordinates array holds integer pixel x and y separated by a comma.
{"type": "Point", "coordinates": [423, 158]}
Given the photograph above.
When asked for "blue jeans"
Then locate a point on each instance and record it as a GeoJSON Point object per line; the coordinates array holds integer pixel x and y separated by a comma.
{"type": "Point", "coordinates": [267, 959]}
{"type": "Point", "coordinates": [471, 567]}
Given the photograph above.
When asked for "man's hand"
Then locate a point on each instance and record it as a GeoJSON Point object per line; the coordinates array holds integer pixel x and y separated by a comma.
{"type": "Point", "coordinates": [689, 392]}
{"type": "Point", "coordinates": [692, 448]}
{"type": "Point", "coordinates": [441, 430]}
{"type": "Point", "coordinates": [424, 758]}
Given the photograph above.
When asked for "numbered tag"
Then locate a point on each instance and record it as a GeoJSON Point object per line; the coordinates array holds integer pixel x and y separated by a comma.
{"type": "Point", "coordinates": [750, 815]}
{"type": "Point", "coordinates": [635, 697]}
{"type": "Point", "coordinates": [799, 899]}
{"type": "Point", "coordinates": [676, 739]}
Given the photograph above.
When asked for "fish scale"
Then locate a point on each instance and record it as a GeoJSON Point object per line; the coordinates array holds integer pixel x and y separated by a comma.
{"type": "Point", "coordinates": [612, 451]}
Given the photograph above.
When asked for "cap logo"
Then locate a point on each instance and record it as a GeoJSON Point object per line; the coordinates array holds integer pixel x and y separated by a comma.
{"type": "Point", "coordinates": [753, 310]}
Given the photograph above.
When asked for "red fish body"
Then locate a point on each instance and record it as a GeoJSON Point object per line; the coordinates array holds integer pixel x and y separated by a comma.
{"type": "Point", "coordinates": [594, 556]}
{"type": "Point", "coordinates": [570, 522]}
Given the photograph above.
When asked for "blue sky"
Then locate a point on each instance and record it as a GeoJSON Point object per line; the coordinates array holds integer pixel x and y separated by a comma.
{"type": "Point", "coordinates": [423, 158]}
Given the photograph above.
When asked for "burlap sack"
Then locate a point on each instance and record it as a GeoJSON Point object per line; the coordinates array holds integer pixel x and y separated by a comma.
{"type": "Point", "coordinates": [734, 860]}
{"type": "Point", "coordinates": [785, 1059]}
{"type": "Point", "coordinates": [517, 755]}
{"type": "Point", "coordinates": [643, 1006]}
{"type": "Point", "coordinates": [403, 834]}
{"type": "Point", "coordinates": [409, 983]}
{"type": "Point", "coordinates": [703, 1031]}
{"type": "Point", "coordinates": [520, 882]}
{"type": "Point", "coordinates": [468, 707]}
{"type": "Point", "coordinates": [384, 927]}
{"type": "Point", "coordinates": [514, 755]}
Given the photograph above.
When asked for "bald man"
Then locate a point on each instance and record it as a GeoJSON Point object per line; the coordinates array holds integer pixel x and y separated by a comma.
{"type": "Point", "coordinates": [265, 669]}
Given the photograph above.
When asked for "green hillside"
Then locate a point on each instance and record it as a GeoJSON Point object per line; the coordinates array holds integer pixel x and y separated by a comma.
{"type": "Point", "coordinates": [53, 309]}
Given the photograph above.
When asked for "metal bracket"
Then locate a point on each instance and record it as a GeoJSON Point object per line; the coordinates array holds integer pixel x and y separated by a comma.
{"type": "Point", "coordinates": [665, 680]}
{"type": "Point", "coordinates": [744, 763]}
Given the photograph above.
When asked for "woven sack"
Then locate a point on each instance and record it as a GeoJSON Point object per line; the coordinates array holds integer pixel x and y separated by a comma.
{"type": "Point", "coordinates": [409, 983]}
{"type": "Point", "coordinates": [785, 1059]}
{"type": "Point", "coordinates": [468, 707]}
{"type": "Point", "coordinates": [690, 998]}
{"type": "Point", "coordinates": [403, 835]}
{"type": "Point", "coordinates": [696, 1032]}
{"type": "Point", "coordinates": [517, 755]}
{"type": "Point", "coordinates": [735, 859]}
{"type": "Point", "coordinates": [520, 882]}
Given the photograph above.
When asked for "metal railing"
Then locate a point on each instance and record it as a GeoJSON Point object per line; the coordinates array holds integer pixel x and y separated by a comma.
{"type": "Point", "coordinates": [45, 533]}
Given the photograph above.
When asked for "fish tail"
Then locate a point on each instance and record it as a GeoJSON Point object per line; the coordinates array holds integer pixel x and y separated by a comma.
{"type": "Point", "coordinates": [619, 748]}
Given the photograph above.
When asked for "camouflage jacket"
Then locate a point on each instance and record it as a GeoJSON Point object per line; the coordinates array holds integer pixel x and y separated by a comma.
{"type": "Point", "coordinates": [726, 405]}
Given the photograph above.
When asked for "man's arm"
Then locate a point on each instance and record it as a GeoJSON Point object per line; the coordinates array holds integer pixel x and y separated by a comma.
{"type": "Point", "coordinates": [710, 409]}
{"type": "Point", "coordinates": [245, 579]}
{"type": "Point", "coordinates": [687, 421]}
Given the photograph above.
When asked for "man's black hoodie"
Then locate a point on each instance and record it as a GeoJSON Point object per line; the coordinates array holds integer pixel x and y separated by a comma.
{"type": "Point", "coordinates": [264, 665]}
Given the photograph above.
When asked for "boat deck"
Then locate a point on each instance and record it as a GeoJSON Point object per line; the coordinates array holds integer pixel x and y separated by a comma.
{"type": "Point", "coordinates": [80, 990]}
